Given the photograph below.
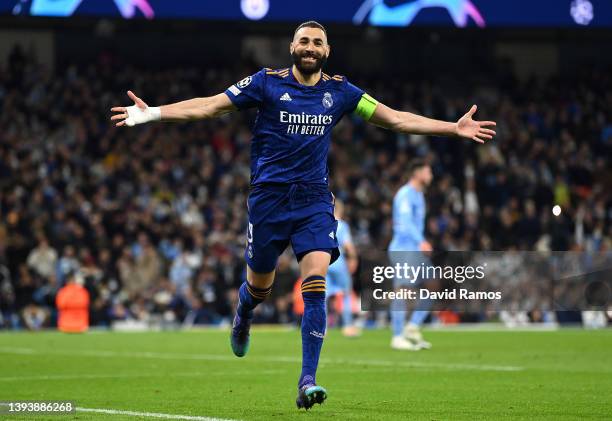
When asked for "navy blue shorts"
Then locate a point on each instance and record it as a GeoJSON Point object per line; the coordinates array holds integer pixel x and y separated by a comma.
{"type": "Point", "coordinates": [279, 214]}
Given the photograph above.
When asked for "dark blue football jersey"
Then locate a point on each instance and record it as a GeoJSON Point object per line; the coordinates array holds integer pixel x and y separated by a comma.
{"type": "Point", "coordinates": [292, 132]}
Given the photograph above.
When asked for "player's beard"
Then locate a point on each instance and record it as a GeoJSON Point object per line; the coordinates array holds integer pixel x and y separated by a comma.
{"type": "Point", "coordinates": [308, 69]}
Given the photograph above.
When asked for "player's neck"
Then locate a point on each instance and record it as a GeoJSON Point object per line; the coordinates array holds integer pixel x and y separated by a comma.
{"type": "Point", "coordinates": [416, 185]}
{"type": "Point", "coordinates": [308, 80]}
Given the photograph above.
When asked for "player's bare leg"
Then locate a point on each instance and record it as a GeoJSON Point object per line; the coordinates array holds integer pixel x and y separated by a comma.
{"type": "Point", "coordinates": [260, 280]}
{"type": "Point", "coordinates": [313, 269]}
{"type": "Point", "coordinates": [252, 292]}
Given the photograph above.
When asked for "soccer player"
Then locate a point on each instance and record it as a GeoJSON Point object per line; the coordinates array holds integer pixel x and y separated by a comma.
{"type": "Point", "coordinates": [339, 273]}
{"type": "Point", "coordinates": [409, 237]}
{"type": "Point", "coordinates": [289, 200]}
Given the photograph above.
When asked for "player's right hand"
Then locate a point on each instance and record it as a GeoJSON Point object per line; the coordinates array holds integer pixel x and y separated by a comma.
{"type": "Point", "coordinates": [138, 113]}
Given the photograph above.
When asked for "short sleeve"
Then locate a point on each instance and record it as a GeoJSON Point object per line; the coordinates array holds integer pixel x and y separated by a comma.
{"type": "Point", "coordinates": [352, 95]}
{"type": "Point", "coordinates": [249, 92]}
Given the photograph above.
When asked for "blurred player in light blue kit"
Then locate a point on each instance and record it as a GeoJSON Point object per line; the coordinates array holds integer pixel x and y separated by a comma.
{"type": "Point", "coordinates": [409, 236]}
{"type": "Point", "coordinates": [339, 275]}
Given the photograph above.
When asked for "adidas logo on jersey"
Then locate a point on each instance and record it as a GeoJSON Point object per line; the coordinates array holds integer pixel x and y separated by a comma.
{"type": "Point", "coordinates": [332, 235]}
{"type": "Point", "coordinates": [285, 97]}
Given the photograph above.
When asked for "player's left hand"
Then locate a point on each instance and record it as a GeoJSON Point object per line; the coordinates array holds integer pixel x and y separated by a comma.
{"type": "Point", "coordinates": [477, 131]}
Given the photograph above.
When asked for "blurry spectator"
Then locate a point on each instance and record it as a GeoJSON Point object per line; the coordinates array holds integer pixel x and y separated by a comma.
{"type": "Point", "coordinates": [126, 267]}
{"type": "Point", "coordinates": [67, 263]}
{"type": "Point", "coordinates": [181, 272]}
{"type": "Point", "coordinates": [43, 258]}
{"type": "Point", "coordinates": [207, 290]}
{"type": "Point", "coordinates": [32, 315]}
{"type": "Point", "coordinates": [282, 293]}
{"type": "Point", "coordinates": [8, 312]}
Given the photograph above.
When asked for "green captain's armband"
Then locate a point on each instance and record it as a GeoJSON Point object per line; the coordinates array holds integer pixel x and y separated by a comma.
{"type": "Point", "coordinates": [366, 107]}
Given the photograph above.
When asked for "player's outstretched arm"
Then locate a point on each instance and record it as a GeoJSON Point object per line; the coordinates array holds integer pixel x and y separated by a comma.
{"type": "Point", "coordinates": [191, 109]}
{"type": "Point", "coordinates": [405, 122]}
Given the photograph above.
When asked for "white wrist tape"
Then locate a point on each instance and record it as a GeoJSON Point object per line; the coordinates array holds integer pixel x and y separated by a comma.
{"type": "Point", "coordinates": [139, 116]}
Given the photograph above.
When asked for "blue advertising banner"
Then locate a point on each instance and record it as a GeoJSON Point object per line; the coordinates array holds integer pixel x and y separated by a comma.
{"type": "Point", "coordinates": [459, 13]}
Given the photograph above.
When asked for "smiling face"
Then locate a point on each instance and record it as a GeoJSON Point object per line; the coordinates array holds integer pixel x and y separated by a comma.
{"type": "Point", "coordinates": [309, 50]}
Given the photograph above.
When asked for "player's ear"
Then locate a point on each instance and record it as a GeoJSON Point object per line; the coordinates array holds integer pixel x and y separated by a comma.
{"type": "Point", "coordinates": [291, 47]}
{"type": "Point", "coordinates": [328, 50]}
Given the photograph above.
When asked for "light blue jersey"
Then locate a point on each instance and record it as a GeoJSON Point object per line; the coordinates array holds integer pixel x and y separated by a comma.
{"type": "Point", "coordinates": [338, 274]}
{"type": "Point", "coordinates": [343, 234]}
{"type": "Point", "coordinates": [408, 219]}
{"type": "Point", "coordinates": [408, 233]}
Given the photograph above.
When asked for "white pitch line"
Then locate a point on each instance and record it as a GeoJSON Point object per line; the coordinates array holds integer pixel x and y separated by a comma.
{"type": "Point", "coordinates": [423, 364]}
{"type": "Point", "coordinates": [130, 376]}
{"type": "Point", "coordinates": [149, 414]}
{"type": "Point", "coordinates": [23, 351]}
{"type": "Point", "coordinates": [281, 359]}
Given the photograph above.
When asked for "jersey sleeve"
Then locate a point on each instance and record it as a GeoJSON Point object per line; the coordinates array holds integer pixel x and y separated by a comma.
{"type": "Point", "coordinates": [249, 92]}
{"type": "Point", "coordinates": [352, 95]}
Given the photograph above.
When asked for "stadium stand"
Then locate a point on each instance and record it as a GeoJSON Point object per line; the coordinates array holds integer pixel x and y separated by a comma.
{"type": "Point", "coordinates": [154, 217]}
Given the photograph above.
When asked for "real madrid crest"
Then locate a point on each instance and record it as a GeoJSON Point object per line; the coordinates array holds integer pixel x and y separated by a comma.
{"type": "Point", "coordinates": [327, 100]}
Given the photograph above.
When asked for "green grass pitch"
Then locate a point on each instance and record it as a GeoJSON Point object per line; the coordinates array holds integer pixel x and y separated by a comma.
{"type": "Point", "coordinates": [468, 375]}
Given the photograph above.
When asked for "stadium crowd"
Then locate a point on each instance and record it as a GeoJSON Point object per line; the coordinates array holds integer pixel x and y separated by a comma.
{"type": "Point", "coordinates": [152, 219]}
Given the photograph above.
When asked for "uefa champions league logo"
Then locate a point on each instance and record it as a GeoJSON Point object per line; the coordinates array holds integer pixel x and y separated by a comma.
{"type": "Point", "coordinates": [403, 13]}
{"type": "Point", "coordinates": [63, 8]}
{"type": "Point", "coordinates": [244, 82]}
{"type": "Point", "coordinates": [327, 100]}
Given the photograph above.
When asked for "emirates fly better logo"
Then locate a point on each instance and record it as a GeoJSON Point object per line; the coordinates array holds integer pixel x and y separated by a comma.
{"type": "Point", "coordinates": [306, 124]}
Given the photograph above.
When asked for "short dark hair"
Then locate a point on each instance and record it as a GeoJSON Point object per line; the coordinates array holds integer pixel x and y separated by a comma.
{"type": "Point", "coordinates": [310, 24]}
{"type": "Point", "coordinates": [415, 164]}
